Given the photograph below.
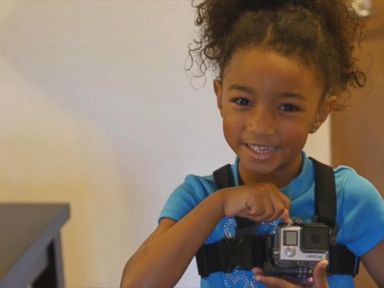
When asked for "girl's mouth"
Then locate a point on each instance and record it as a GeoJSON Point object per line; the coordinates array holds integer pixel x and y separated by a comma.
{"type": "Point", "coordinates": [261, 149]}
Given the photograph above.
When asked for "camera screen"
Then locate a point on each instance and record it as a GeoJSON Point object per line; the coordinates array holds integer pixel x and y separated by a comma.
{"type": "Point", "coordinates": [290, 238]}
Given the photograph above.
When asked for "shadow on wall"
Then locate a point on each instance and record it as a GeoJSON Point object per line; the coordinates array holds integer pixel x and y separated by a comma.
{"type": "Point", "coordinates": [85, 86]}
{"type": "Point", "coordinates": [52, 155]}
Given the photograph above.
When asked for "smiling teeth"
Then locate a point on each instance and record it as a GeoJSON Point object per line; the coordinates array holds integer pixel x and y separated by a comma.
{"type": "Point", "coordinates": [262, 149]}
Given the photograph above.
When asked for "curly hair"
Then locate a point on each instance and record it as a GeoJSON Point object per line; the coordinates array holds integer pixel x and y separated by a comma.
{"type": "Point", "coordinates": [320, 33]}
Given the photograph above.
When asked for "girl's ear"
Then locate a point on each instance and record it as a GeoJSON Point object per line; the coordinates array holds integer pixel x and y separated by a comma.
{"type": "Point", "coordinates": [325, 108]}
{"type": "Point", "coordinates": [218, 87]}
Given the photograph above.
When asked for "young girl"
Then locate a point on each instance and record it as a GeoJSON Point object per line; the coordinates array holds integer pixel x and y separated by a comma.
{"type": "Point", "coordinates": [281, 66]}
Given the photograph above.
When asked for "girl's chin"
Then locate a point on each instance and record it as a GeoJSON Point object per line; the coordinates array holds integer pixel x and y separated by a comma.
{"type": "Point", "coordinates": [260, 167]}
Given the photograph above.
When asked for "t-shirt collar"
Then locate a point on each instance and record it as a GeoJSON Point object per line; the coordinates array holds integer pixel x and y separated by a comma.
{"type": "Point", "coordinates": [298, 186]}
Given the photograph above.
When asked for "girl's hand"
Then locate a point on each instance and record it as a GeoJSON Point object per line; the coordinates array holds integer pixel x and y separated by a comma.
{"type": "Point", "coordinates": [319, 275]}
{"type": "Point", "coordinates": [258, 202]}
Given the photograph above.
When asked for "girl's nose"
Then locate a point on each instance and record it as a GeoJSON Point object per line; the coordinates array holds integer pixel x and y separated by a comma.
{"type": "Point", "coordinates": [261, 122]}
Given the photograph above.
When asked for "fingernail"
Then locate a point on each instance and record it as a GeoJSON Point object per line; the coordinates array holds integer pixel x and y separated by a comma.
{"type": "Point", "coordinates": [288, 221]}
{"type": "Point", "coordinates": [258, 277]}
{"type": "Point", "coordinates": [257, 271]}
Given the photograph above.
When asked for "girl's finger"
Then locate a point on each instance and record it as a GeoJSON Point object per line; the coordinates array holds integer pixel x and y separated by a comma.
{"type": "Point", "coordinates": [320, 274]}
{"type": "Point", "coordinates": [257, 271]}
{"type": "Point", "coordinates": [285, 217]}
{"type": "Point", "coordinates": [284, 198]}
{"type": "Point", "coordinates": [273, 282]}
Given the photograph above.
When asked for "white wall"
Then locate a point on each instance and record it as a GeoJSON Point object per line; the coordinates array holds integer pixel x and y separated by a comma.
{"type": "Point", "coordinates": [96, 111]}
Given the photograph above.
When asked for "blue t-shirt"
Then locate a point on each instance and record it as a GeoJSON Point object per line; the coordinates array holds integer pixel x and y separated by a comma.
{"type": "Point", "coordinates": [360, 216]}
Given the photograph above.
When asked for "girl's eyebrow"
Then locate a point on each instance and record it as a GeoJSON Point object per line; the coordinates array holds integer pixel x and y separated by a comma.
{"type": "Point", "coordinates": [293, 95]}
{"type": "Point", "coordinates": [251, 91]}
{"type": "Point", "coordinates": [246, 89]}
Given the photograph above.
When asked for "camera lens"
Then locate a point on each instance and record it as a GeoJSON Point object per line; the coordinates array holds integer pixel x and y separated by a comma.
{"type": "Point", "coordinates": [315, 237]}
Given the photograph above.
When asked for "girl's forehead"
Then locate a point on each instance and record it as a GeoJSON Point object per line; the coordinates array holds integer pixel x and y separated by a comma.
{"type": "Point", "coordinates": [248, 63]}
{"type": "Point", "coordinates": [250, 58]}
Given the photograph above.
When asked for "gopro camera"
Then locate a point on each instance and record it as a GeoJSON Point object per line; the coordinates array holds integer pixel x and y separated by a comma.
{"type": "Point", "coordinates": [296, 249]}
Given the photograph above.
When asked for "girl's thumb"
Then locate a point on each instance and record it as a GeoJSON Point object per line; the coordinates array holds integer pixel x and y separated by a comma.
{"type": "Point", "coordinates": [320, 274]}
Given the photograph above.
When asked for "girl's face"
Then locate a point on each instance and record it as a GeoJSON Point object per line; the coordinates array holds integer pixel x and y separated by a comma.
{"type": "Point", "coordinates": [269, 103]}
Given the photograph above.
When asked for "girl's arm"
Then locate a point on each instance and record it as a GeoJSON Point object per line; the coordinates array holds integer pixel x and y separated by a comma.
{"type": "Point", "coordinates": [373, 261]}
{"type": "Point", "coordinates": [164, 256]}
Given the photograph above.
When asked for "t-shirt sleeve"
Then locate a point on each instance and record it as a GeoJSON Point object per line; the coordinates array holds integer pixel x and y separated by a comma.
{"type": "Point", "coordinates": [362, 214]}
{"type": "Point", "coordinates": [186, 196]}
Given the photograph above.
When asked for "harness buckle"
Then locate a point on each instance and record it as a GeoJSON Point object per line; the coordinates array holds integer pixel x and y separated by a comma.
{"type": "Point", "coordinates": [238, 253]}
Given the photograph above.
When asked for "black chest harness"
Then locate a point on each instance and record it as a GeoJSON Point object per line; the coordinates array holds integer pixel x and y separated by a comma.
{"type": "Point", "coordinates": [246, 250]}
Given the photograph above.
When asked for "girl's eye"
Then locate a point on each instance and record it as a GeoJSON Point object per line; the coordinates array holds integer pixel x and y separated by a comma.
{"type": "Point", "coordinates": [289, 108]}
{"type": "Point", "coordinates": [242, 101]}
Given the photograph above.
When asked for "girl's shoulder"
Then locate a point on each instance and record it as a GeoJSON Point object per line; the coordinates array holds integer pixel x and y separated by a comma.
{"type": "Point", "coordinates": [349, 181]}
{"type": "Point", "coordinates": [360, 214]}
{"type": "Point", "coordinates": [195, 184]}
{"type": "Point", "coordinates": [187, 195]}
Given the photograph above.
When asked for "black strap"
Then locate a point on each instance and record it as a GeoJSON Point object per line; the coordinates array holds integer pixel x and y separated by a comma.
{"type": "Point", "coordinates": [226, 255]}
{"type": "Point", "coordinates": [325, 194]}
{"type": "Point", "coordinates": [223, 177]}
{"type": "Point", "coordinates": [342, 261]}
{"type": "Point", "coordinates": [247, 251]}
{"type": "Point", "coordinates": [250, 251]}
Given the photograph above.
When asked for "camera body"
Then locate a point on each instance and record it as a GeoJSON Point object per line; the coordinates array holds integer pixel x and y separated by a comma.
{"type": "Point", "coordinates": [296, 249]}
{"type": "Point", "coordinates": [304, 244]}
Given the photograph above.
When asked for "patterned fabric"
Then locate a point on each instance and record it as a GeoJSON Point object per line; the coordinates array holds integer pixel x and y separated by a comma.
{"type": "Point", "coordinates": [241, 278]}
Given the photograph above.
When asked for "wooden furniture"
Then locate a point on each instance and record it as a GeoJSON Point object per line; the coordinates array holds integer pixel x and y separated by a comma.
{"type": "Point", "coordinates": [30, 247]}
{"type": "Point", "coordinates": [357, 133]}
